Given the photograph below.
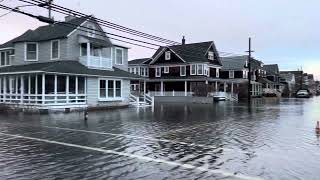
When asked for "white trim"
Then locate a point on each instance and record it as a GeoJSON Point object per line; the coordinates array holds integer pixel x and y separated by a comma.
{"type": "Point", "coordinates": [115, 59]}
{"type": "Point", "coordinates": [166, 69]}
{"type": "Point", "coordinates": [202, 69]}
{"type": "Point", "coordinates": [114, 98]}
{"type": "Point", "coordinates": [162, 51]}
{"type": "Point", "coordinates": [217, 72]}
{"type": "Point", "coordinates": [210, 47]}
{"type": "Point", "coordinates": [75, 29]}
{"type": "Point", "coordinates": [195, 69]}
{"type": "Point", "coordinates": [25, 52]}
{"type": "Point", "coordinates": [7, 48]}
{"type": "Point", "coordinates": [231, 74]}
{"type": "Point", "coordinates": [158, 69]}
{"type": "Point", "coordinates": [167, 55]}
{"type": "Point", "coordinates": [58, 40]}
{"type": "Point", "coordinates": [185, 71]}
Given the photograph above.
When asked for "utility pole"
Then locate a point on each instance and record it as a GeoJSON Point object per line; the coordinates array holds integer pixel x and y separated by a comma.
{"type": "Point", "coordinates": [49, 9]}
{"type": "Point", "coordinates": [249, 69]}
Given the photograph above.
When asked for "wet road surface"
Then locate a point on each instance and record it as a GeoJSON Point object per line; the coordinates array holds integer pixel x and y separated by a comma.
{"type": "Point", "coordinates": [274, 139]}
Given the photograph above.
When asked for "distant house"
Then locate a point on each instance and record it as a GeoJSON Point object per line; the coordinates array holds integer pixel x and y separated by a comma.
{"type": "Point", "coordinates": [58, 66]}
{"type": "Point", "coordinates": [309, 83]}
{"type": "Point", "coordinates": [289, 82]}
{"type": "Point", "coordinates": [298, 75]}
{"type": "Point", "coordinates": [180, 70]}
{"type": "Point", "coordinates": [235, 69]}
{"type": "Point", "coordinates": [271, 81]}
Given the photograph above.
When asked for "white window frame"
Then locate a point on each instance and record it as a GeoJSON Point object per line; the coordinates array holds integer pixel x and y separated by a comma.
{"type": "Point", "coordinates": [198, 65]}
{"type": "Point", "coordinates": [166, 69]}
{"type": "Point", "coordinates": [158, 72]}
{"type": "Point", "coordinates": [114, 98]}
{"type": "Point", "coordinates": [122, 50]}
{"type": "Point", "coordinates": [244, 74]}
{"type": "Point", "coordinates": [5, 60]}
{"type": "Point", "coordinates": [147, 72]}
{"type": "Point", "coordinates": [195, 69]}
{"type": "Point", "coordinates": [91, 30]}
{"type": "Point", "coordinates": [205, 70]}
{"type": "Point", "coordinates": [25, 52]}
{"type": "Point", "coordinates": [58, 49]}
{"type": "Point", "coordinates": [231, 74]}
{"type": "Point", "coordinates": [167, 55]}
{"type": "Point", "coordinates": [210, 55]}
{"type": "Point", "coordinates": [184, 72]}
{"type": "Point", "coordinates": [217, 72]}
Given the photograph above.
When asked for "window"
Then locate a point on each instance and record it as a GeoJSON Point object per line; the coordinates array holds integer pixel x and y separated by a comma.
{"type": "Point", "coordinates": [166, 69]}
{"type": "Point", "coordinates": [200, 69]}
{"type": "Point", "coordinates": [110, 89]}
{"type": "Point", "coordinates": [245, 75]}
{"type": "Point", "coordinates": [137, 70]}
{"type": "Point", "coordinates": [118, 88]}
{"type": "Point", "coordinates": [103, 89]}
{"type": "Point", "coordinates": [217, 72]}
{"type": "Point", "coordinates": [158, 71]}
{"type": "Point", "coordinates": [31, 52]}
{"type": "Point", "coordinates": [182, 70]}
{"type": "Point", "coordinates": [142, 71]}
{"type": "Point", "coordinates": [55, 49]}
{"type": "Point", "coordinates": [81, 85]}
{"type": "Point", "coordinates": [119, 56]}
{"type": "Point", "coordinates": [3, 59]}
{"type": "Point", "coordinates": [168, 55]}
{"type": "Point", "coordinates": [91, 30]}
{"type": "Point", "coordinates": [83, 49]}
{"type": "Point", "coordinates": [206, 72]}
{"type": "Point", "coordinates": [210, 55]}
{"type": "Point", "coordinates": [231, 74]}
{"type": "Point", "coordinates": [193, 70]}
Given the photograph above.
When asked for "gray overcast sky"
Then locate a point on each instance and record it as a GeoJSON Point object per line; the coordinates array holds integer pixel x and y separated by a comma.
{"type": "Point", "coordinates": [283, 31]}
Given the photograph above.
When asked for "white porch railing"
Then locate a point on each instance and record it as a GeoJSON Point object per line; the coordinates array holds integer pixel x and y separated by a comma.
{"type": "Point", "coordinates": [96, 61]}
{"type": "Point", "coordinates": [143, 101]}
{"type": "Point", "coordinates": [43, 100]}
{"type": "Point", "coordinates": [170, 93]}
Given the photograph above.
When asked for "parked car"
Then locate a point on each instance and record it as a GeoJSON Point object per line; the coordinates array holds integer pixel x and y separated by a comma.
{"type": "Point", "coordinates": [303, 94]}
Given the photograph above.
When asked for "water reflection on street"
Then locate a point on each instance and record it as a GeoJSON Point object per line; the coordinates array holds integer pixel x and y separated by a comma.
{"type": "Point", "coordinates": [273, 139]}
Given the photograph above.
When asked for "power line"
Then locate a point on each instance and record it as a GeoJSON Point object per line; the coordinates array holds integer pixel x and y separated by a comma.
{"type": "Point", "coordinates": [105, 23]}
{"type": "Point", "coordinates": [44, 19]}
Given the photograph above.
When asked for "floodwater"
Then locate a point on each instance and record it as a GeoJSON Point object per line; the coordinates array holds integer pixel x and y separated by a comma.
{"type": "Point", "coordinates": [274, 139]}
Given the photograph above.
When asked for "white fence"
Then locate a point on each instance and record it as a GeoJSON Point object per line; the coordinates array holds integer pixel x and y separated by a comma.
{"type": "Point", "coordinates": [170, 93]}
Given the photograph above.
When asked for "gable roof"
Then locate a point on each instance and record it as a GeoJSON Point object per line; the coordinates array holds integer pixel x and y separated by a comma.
{"type": "Point", "coordinates": [234, 62]}
{"type": "Point", "coordinates": [68, 67]}
{"type": "Point", "coordinates": [191, 53]}
{"type": "Point", "coordinates": [48, 32]}
{"type": "Point", "coordinates": [141, 61]}
{"type": "Point", "coordinates": [271, 68]}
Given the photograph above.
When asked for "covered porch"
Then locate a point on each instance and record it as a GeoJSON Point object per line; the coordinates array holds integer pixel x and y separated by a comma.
{"type": "Point", "coordinates": [43, 90]}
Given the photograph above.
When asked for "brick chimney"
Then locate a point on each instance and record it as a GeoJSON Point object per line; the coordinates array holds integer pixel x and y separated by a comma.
{"type": "Point", "coordinates": [183, 41]}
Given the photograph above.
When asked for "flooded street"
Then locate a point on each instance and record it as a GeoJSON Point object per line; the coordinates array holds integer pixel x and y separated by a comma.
{"type": "Point", "coordinates": [274, 139]}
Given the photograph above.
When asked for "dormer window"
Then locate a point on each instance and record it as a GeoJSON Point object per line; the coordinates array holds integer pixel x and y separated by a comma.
{"type": "Point", "coordinates": [168, 55]}
{"type": "Point", "coordinates": [210, 55]}
{"type": "Point", "coordinates": [91, 30]}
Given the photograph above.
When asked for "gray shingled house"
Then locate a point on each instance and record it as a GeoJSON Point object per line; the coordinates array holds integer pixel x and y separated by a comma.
{"type": "Point", "coordinates": [59, 66]}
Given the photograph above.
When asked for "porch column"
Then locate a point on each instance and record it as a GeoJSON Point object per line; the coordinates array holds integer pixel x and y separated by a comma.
{"type": "Point", "coordinates": [225, 87]}
{"type": "Point", "coordinates": [161, 87]}
{"type": "Point", "coordinates": [67, 89]}
{"type": "Point", "coordinates": [10, 89]}
{"type": "Point", "coordinates": [55, 88]}
{"type": "Point", "coordinates": [21, 89]}
{"type": "Point", "coordinates": [232, 88]}
{"type": "Point", "coordinates": [43, 88]}
{"type": "Point", "coordinates": [4, 88]}
{"type": "Point", "coordinates": [185, 88]}
{"type": "Point", "coordinates": [88, 53]}
{"type": "Point", "coordinates": [36, 85]}
{"type": "Point", "coordinates": [76, 85]}
{"type": "Point", "coordinates": [144, 87]}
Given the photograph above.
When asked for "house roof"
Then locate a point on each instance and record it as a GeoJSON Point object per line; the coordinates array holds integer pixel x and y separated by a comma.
{"type": "Point", "coordinates": [68, 67]}
{"type": "Point", "coordinates": [271, 68]}
{"type": "Point", "coordinates": [234, 62]}
{"type": "Point", "coordinates": [48, 32]}
{"type": "Point", "coordinates": [139, 61]}
{"type": "Point", "coordinates": [194, 52]}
